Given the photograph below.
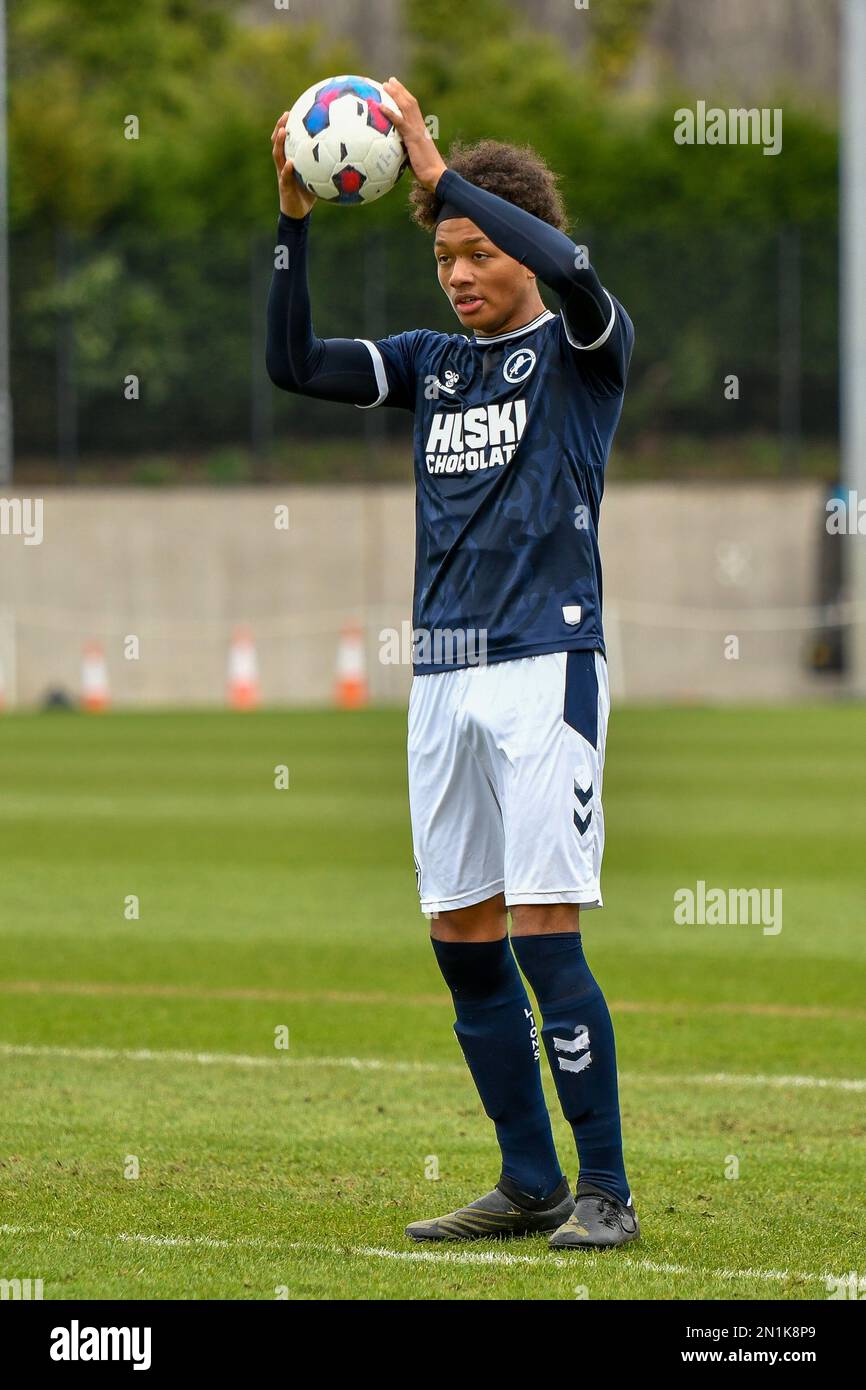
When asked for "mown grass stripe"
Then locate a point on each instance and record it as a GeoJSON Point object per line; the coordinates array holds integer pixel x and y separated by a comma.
{"type": "Point", "coordinates": [381, 998]}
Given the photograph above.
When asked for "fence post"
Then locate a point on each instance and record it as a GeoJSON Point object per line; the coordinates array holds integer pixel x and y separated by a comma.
{"type": "Point", "coordinates": [261, 392]}
{"type": "Point", "coordinates": [67, 394]}
{"type": "Point", "coordinates": [375, 317]}
{"type": "Point", "coordinates": [8, 660]}
{"type": "Point", "coordinates": [790, 348]}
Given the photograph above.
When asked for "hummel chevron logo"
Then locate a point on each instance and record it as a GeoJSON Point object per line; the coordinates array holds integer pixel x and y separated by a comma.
{"type": "Point", "coordinates": [582, 822]}
{"type": "Point", "coordinates": [579, 1043]}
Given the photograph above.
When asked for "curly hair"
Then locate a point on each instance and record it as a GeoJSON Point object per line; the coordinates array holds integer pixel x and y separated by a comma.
{"type": "Point", "coordinates": [515, 172]}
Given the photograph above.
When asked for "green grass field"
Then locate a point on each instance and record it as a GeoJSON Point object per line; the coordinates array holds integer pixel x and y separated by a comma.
{"type": "Point", "coordinates": [263, 1169]}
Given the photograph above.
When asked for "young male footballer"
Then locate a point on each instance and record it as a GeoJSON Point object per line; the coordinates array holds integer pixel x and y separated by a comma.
{"type": "Point", "coordinates": [514, 419]}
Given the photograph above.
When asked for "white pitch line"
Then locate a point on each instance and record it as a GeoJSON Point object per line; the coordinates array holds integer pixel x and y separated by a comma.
{"type": "Point", "coordinates": [231, 1059]}
{"type": "Point", "coordinates": [574, 1261]}
{"type": "Point", "coordinates": [722, 1078]}
{"type": "Point", "coordinates": [388, 1064]}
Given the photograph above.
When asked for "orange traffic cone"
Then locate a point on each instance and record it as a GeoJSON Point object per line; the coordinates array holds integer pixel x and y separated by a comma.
{"type": "Point", "coordinates": [351, 688]}
{"type": "Point", "coordinates": [94, 679]}
{"type": "Point", "coordinates": [243, 677]}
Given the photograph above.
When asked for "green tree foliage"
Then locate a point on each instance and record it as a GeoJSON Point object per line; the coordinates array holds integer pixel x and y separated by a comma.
{"type": "Point", "coordinates": [615, 29]}
{"type": "Point", "coordinates": [162, 225]}
{"type": "Point", "coordinates": [204, 88]}
{"type": "Point", "coordinates": [483, 71]}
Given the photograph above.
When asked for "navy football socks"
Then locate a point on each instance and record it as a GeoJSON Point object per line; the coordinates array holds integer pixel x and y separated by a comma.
{"type": "Point", "coordinates": [496, 1030]}
{"type": "Point", "coordinates": [578, 1036]}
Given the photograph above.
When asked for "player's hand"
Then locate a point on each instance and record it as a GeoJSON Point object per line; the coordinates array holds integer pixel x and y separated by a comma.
{"type": "Point", "coordinates": [295, 200]}
{"type": "Point", "coordinates": [428, 166]}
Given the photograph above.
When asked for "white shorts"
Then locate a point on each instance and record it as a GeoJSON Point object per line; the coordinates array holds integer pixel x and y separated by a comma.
{"type": "Point", "coordinates": [505, 773]}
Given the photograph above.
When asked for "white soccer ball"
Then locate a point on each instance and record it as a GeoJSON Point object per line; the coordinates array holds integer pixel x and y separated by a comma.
{"type": "Point", "coordinates": [342, 142]}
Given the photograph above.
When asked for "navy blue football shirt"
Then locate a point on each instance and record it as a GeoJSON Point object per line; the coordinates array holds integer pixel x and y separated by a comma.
{"type": "Point", "coordinates": [511, 439]}
{"type": "Point", "coordinates": [512, 436]}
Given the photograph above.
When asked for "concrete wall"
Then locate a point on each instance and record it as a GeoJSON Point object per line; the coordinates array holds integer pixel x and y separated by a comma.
{"type": "Point", "coordinates": [686, 566]}
{"type": "Point", "coordinates": [690, 566]}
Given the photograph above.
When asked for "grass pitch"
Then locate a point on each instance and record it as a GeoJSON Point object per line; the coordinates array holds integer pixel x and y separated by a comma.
{"type": "Point", "coordinates": [146, 1045]}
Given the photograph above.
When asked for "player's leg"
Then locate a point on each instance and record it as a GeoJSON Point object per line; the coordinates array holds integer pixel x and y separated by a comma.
{"type": "Point", "coordinates": [579, 1041]}
{"type": "Point", "coordinates": [496, 1030]}
{"type": "Point", "coordinates": [458, 844]}
{"type": "Point", "coordinates": [554, 845]}
{"type": "Point", "coordinates": [578, 1037]}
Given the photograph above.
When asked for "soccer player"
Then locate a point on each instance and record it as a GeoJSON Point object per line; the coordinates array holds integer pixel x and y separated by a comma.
{"type": "Point", "coordinates": [509, 703]}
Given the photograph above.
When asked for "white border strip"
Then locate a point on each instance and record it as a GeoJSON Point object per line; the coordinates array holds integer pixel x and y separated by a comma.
{"type": "Point", "coordinates": [590, 347]}
{"type": "Point", "coordinates": [381, 374]}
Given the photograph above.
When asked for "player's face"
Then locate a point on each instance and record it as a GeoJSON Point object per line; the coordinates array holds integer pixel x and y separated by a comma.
{"type": "Point", "coordinates": [489, 291]}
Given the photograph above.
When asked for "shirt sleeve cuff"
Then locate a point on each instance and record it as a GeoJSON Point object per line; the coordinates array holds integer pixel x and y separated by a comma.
{"type": "Point", "coordinates": [287, 224]}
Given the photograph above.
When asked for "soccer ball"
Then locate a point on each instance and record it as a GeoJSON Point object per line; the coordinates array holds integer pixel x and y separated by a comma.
{"type": "Point", "coordinates": [342, 142]}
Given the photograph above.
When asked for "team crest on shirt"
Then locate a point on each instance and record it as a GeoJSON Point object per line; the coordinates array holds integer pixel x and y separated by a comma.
{"type": "Point", "coordinates": [518, 365]}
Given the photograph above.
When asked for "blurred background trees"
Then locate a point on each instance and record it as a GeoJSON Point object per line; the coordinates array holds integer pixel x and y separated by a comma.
{"type": "Point", "coordinates": [151, 255]}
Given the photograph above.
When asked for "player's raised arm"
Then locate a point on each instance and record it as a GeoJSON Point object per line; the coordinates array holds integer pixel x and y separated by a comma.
{"type": "Point", "coordinates": [333, 369]}
{"type": "Point", "coordinates": [595, 324]}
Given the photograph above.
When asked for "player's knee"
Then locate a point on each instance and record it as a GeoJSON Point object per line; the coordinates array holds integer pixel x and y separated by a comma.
{"type": "Point", "coordinates": [541, 919]}
{"type": "Point", "coordinates": [480, 974]}
{"type": "Point", "coordinates": [484, 921]}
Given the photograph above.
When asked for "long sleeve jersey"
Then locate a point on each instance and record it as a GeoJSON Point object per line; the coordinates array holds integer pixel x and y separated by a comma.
{"type": "Point", "coordinates": [512, 434]}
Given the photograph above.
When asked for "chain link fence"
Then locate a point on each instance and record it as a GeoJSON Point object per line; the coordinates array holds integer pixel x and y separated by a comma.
{"type": "Point", "coordinates": [132, 346]}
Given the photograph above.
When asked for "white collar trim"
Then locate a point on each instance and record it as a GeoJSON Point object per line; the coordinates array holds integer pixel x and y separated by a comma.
{"type": "Point", "coordinates": [515, 332]}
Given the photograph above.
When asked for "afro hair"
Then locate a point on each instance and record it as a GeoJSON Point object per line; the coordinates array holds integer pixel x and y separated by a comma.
{"type": "Point", "coordinates": [514, 172]}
